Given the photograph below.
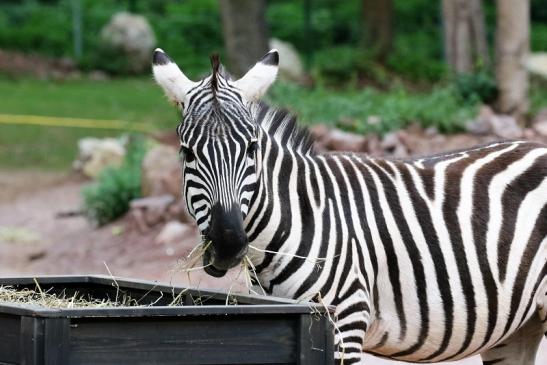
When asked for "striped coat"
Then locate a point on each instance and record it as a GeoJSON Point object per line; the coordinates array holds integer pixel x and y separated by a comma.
{"type": "Point", "coordinates": [426, 260]}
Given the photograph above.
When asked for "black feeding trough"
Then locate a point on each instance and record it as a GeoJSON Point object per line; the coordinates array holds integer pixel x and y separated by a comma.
{"type": "Point", "coordinates": [200, 329]}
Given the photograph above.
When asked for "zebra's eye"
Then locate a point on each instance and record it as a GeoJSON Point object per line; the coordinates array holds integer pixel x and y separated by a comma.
{"type": "Point", "coordinates": [251, 148]}
{"type": "Point", "coordinates": [188, 154]}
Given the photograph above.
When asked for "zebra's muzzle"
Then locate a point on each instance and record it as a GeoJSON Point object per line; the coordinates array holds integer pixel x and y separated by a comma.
{"type": "Point", "coordinates": [218, 268]}
{"type": "Point", "coordinates": [229, 243]}
{"type": "Point", "coordinates": [210, 268]}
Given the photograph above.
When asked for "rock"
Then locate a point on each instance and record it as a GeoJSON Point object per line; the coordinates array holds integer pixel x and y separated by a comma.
{"type": "Point", "coordinates": [173, 232]}
{"type": "Point", "coordinates": [179, 212]}
{"type": "Point", "coordinates": [540, 123]}
{"type": "Point", "coordinates": [319, 131]}
{"type": "Point", "coordinates": [337, 140]}
{"type": "Point", "coordinates": [505, 126]}
{"type": "Point", "coordinates": [150, 211]}
{"type": "Point", "coordinates": [66, 64]}
{"type": "Point", "coordinates": [373, 120]}
{"type": "Point", "coordinates": [529, 134]}
{"type": "Point", "coordinates": [154, 202]}
{"type": "Point", "coordinates": [95, 154]}
{"type": "Point", "coordinates": [161, 172]}
{"type": "Point", "coordinates": [131, 35]}
{"type": "Point", "coordinates": [290, 64]}
{"type": "Point", "coordinates": [406, 139]}
{"type": "Point", "coordinates": [393, 145]}
{"type": "Point", "coordinates": [374, 145]}
{"type": "Point", "coordinates": [431, 132]}
{"type": "Point", "coordinates": [390, 141]}
{"type": "Point", "coordinates": [481, 125]}
{"type": "Point", "coordinates": [536, 63]}
{"type": "Point", "coordinates": [459, 141]}
{"type": "Point", "coordinates": [487, 122]}
{"type": "Point", "coordinates": [98, 75]}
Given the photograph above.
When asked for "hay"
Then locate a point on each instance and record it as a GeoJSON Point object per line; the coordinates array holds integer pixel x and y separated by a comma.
{"type": "Point", "coordinates": [29, 297]}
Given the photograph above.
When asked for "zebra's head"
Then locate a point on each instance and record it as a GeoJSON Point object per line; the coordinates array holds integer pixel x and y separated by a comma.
{"type": "Point", "coordinates": [219, 150]}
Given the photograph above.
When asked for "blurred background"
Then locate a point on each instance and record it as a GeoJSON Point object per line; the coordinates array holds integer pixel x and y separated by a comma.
{"type": "Point", "coordinates": [89, 173]}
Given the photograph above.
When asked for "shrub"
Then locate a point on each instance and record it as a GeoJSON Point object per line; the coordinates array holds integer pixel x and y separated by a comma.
{"type": "Point", "coordinates": [479, 86]}
{"type": "Point", "coordinates": [538, 96]}
{"type": "Point", "coordinates": [350, 109]}
{"type": "Point", "coordinates": [538, 38]}
{"type": "Point", "coordinates": [108, 198]}
{"type": "Point", "coordinates": [417, 56]}
{"type": "Point", "coordinates": [337, 65]}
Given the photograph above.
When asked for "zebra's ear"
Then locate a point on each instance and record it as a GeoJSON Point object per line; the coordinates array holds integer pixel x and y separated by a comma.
{"type": "Point", "coordinates": [169, 76]}
{"type": "Point", "coordinates": [258, 79]}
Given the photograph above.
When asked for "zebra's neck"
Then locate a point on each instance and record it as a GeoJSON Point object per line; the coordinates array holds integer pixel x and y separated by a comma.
{"type": "Point", "coordinates": [292, 218]}
{"type": "Point", "coordinates": [274, 219]}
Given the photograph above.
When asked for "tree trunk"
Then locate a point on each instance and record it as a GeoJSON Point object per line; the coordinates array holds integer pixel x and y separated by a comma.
{"type": "Point", "coordinates": [512, 49]}
{"type": "Point", "coordinates": [245, 33]}
{"type": "Point", "coordinates": [378, 26]}
{"type": "Point", "coordinates": [464, 34]}
{"type": "Point", "coordinates": [478, 31]}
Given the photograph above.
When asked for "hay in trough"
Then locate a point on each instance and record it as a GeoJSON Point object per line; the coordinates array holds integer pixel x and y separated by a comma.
{"type": "Point", "coordinates": [25, 296]}
{"type": "Point", "coordinates": [47, 299]}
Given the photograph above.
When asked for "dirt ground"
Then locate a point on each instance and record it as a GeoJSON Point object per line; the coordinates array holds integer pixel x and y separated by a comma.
{"type": "Point", "coordinates": [35, 241]}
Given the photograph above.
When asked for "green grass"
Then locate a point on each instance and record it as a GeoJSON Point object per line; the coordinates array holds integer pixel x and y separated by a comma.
{"type": "Point", "coordinates": [22, 146]}
{"type": "Point", "coordinates": [350, 109]}
{"type": "Point", "coordinates": [140, 100]}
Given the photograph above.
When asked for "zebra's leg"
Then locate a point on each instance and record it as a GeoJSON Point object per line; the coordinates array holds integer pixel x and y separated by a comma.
{"type": "Point", "coordinates": [349, 350]}
{"type": "Point", "coordinates": [542, 306]}
{"type": "Point", "coordinates": [541, 303]}
{"type": "Point", "coordinates": [520, 348]}
{"type": "Point", "coordinates": [352, 321]}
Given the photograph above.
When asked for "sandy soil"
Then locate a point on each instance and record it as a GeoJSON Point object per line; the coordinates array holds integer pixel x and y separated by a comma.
{"type": "Point", "coordinates": [34, 241]}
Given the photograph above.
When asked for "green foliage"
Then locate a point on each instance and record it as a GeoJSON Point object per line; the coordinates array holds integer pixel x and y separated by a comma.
{"type": "Point", "coordinates": [538, 37]}
{"type": "Point", "coordinates": [189, 30]}
{"type": "Point", "coordinates": [30, 25]}
{"type": "Point", "coordinates": [345, 65]}
{"type": "Point", "coordinates": [109, 197]}
{"type": "Point", "coordinates": [352, 109]}
{"type": "Point", "coordinates": [331, 22]}
{"type": "Point", "coordinates": [479, 86]}
{"type": "Point", "coordinates": [338, 65]}
{"type": "Point", "coordinates": [417, 45]}
{"type": "Point", "coordinates": [117, 63]}
{"type": "Point", "coordinates": [538, 96]}
{"type": "Point", "coordinates": [417, 56]}
{"type": "Point", "coordinates": [538, 11]}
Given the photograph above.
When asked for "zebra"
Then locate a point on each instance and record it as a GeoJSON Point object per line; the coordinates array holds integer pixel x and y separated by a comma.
{"type": "Point", "coordinates": [426, 260]}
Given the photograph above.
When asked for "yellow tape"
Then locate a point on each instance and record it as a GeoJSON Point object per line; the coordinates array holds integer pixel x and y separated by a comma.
{"type": "Point", "coordinates": [74, 122]}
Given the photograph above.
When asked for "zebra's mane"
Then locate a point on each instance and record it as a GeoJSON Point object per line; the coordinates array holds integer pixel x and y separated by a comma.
{"type": "Point", "coordinates": [281, 125]}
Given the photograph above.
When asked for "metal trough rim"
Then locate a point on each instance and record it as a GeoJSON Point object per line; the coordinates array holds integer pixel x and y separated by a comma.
{"type": "Point", "coordinates": [251, 304]}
